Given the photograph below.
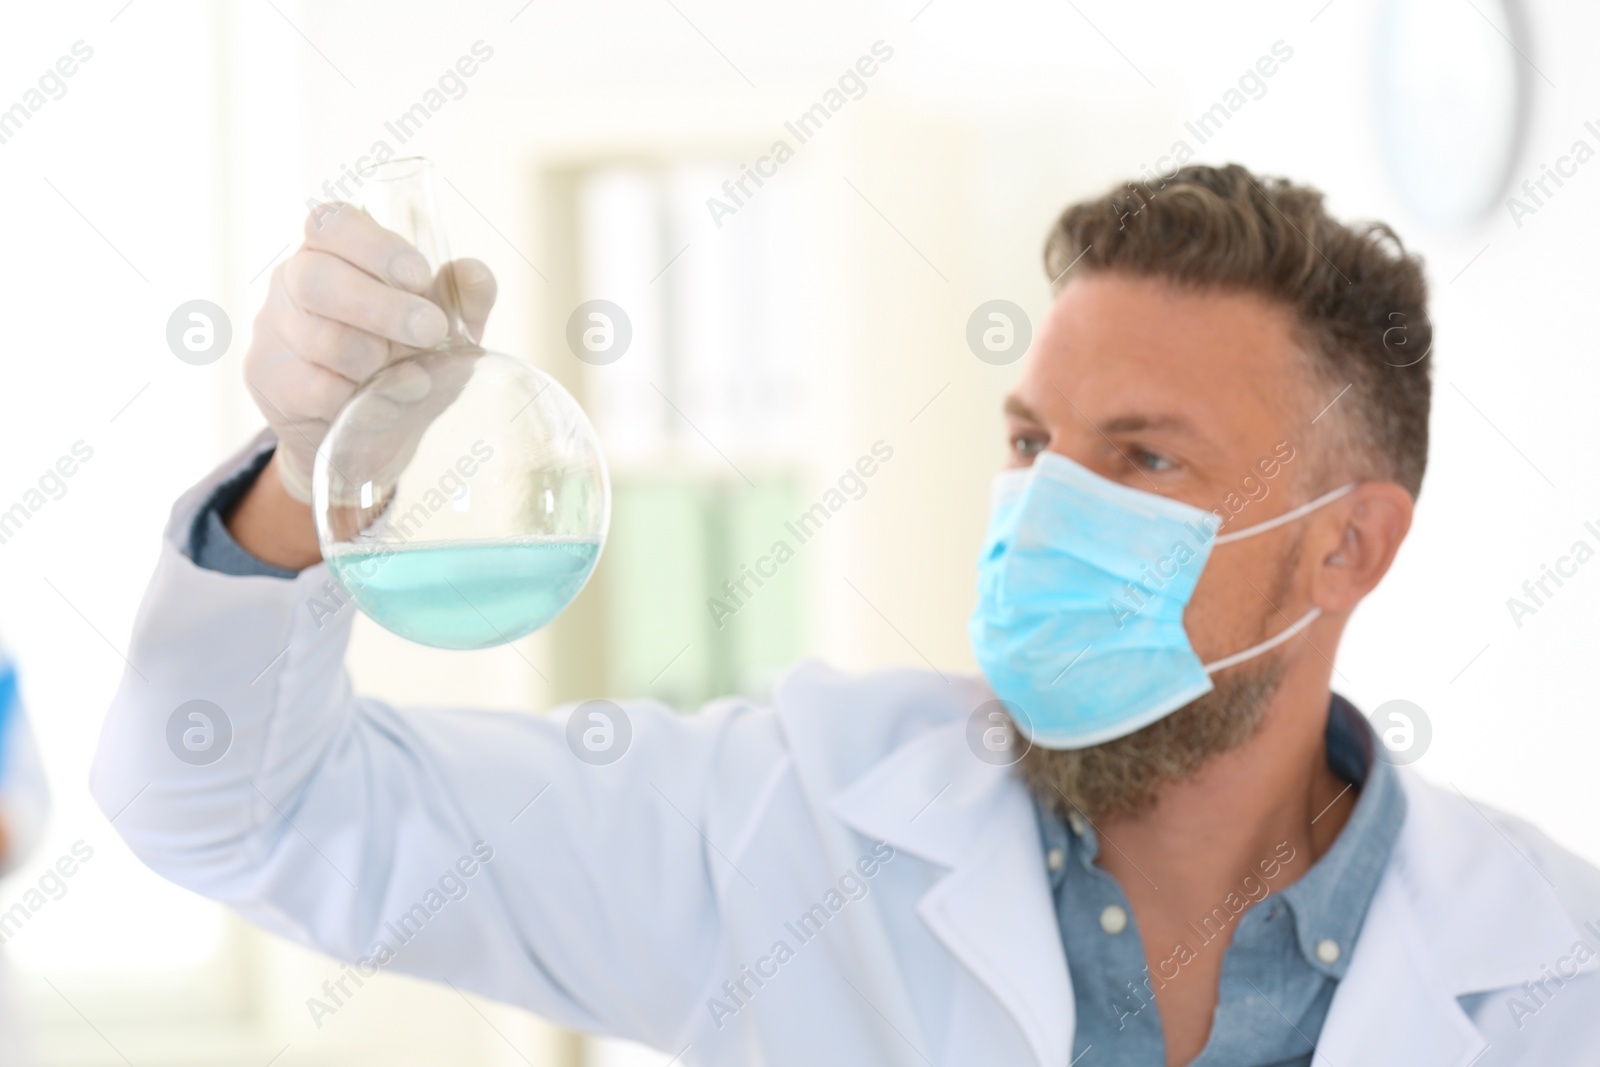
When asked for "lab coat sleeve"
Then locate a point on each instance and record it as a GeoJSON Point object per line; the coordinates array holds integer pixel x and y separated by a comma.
{"type": "Point", "coordinates": [471, 847]}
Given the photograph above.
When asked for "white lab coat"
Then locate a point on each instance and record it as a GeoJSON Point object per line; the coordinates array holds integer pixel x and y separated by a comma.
{"type": "Point", "coordinates": [621, 898]}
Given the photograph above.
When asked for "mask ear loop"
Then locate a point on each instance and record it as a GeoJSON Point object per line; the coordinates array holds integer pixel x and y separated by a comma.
{"type": "Point", "coordinates": [1288, 516]}
{"type": "Point", "coordinates": [1266, 646]}
{"type": "Point", "coordinates": [1305, 620]}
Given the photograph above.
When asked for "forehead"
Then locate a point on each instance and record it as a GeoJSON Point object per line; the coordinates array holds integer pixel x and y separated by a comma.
{"type": "Point", "coordinates": [1225, 361]}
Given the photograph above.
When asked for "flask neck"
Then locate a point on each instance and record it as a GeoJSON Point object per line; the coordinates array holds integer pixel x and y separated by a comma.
{"type": "Point", "coordinates": [401, 196]}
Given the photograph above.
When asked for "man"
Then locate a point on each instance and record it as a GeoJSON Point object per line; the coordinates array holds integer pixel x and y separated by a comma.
{"type": "Point", "coordinates": [1193, 853]}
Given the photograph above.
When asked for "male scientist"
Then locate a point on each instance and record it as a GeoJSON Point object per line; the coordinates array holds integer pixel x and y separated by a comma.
{"type": "Point", "coordinates": [1149, 835]}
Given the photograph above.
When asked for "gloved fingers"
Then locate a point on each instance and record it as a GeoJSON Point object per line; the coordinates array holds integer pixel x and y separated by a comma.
{"type": "Point", "coordinates": [336, 346]}
{"type": "Point", "coordinates": [350, 234]}
{"type": "Point", "coordinates": [289, 389]}
{"type": "Point", "coordinates": [423, 388]}
{"type": "Point", "coordinates": [390, 404]}
{"type": "Point", "coordinates": [386, 450]}
{"type": "Point", "coordinates": [299, 439]}
{"type": "Point", "coordinates": [323, 284]}
{"type": "Point", "coordinates": [468, 285]}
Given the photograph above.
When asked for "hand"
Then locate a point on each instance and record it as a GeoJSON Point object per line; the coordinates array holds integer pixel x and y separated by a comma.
{"type": "Point", "coordinates": [355, 297]}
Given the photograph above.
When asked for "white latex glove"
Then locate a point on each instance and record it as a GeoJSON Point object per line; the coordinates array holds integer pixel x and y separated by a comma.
{"type": "Point", "coordinates": [352, 299]}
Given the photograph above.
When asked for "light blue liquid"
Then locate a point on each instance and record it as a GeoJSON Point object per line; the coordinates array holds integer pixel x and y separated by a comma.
{"type": "Point", "coordinates": [465, 594]}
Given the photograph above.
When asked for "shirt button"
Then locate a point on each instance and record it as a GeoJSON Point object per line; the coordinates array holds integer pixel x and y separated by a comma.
{"type": "Point", "coordinates": [1076, 822]}
{"type": "Point", "coordinates": [1055, 858]}
{"type": "Point", "coordinates": [1114, 920]}
{"type": "Point", "coordinates": [1327, 951]}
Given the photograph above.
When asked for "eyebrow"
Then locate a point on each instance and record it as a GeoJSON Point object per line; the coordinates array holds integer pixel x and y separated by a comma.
{"type": "Point", "coordinates": [1016, 408]}
{"type": "Point", "coordinates": [1135, 423]}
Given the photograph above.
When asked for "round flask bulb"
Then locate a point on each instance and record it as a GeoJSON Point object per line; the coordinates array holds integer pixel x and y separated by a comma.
{"type": "Point", "coordinates": [460, 495]}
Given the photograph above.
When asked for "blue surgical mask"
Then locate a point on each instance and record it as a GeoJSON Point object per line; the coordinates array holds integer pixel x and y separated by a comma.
{"type": "Point", "coordinates": [1082, 585]}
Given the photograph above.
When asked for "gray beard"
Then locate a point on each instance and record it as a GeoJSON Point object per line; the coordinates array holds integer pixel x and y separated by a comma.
{"type": "Point", "coordinates": [1122, 778]}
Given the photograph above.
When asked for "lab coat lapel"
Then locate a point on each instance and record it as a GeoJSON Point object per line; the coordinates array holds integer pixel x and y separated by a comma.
{"type": "Point", "coordinates": [1393, 1005]}
{"type": "Point", "coordinates": [993, 910]}
{"type": "Point", "coordinates": [1459, 910]}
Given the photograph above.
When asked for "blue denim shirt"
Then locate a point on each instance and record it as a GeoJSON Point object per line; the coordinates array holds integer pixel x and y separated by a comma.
{"type": "Point", "coordinates": [1289, 948]}
{"type": "Point", "coordinates": [212, 547]}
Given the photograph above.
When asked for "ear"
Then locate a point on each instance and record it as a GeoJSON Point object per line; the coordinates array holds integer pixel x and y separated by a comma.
{"type": "Point", "coordinates": [1364, 532]}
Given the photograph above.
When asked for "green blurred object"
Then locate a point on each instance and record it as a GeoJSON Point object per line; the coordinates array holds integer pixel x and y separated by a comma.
{"type": "Point", "coordinates": [666, 614]}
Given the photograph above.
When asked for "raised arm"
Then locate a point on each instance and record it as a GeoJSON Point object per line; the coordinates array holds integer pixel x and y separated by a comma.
{"type": "Point", "coordinates": [492, 850]}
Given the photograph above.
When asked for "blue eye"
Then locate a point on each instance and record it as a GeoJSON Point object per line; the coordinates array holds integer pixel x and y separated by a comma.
{"type": "Point", "coordinates": [1149, 461]}
{"type": "Point", "coordinates": [1027, 447]}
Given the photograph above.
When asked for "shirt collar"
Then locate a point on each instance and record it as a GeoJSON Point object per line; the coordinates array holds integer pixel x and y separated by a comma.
{"type": "Point", "coordinates": [1330, 903]}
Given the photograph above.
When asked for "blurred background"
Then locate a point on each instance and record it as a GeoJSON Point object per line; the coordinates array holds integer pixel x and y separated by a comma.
{"type": "Point", "coordinates": [777, 338]}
